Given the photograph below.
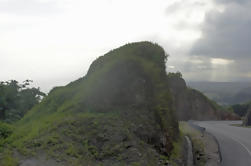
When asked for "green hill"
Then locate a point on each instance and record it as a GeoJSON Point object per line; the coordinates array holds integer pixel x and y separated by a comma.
{"type": "Point", "coordinates": [120, 113]}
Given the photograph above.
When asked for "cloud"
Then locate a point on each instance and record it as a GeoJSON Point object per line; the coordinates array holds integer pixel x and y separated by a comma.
{"type": "Point", "coordinates": [27, 7]}
{"type": "Point", "coordinates": [187, 13]}
{"type": "Point", "coordinates": [226, 34]}
{"type": "Point", "coordinates": [178, 6]}
{"type": "Point", "coordinates": [219, 61]}
{"type": "Point", "coordinates": [226, 37]}
{"type": "Point", "coordinates": [231, 1]}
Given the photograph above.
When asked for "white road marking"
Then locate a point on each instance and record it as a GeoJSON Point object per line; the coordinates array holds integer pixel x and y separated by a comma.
{"type": "Point", "coordinates": [236, 140]}
{"type": "Point", "coordinates": [249, 152]}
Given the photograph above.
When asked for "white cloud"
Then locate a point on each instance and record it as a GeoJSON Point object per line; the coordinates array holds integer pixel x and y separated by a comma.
{"type": "Point", "coordinates": [220, 61]}
{"type": "Point", "coordinates": [171, 67]}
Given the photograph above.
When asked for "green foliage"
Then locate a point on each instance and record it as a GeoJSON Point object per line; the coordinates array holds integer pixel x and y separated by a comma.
{"type": "Point", "coordinates": [8, 160]}
{"type": "Point", "coordinates": [98, 115]}
{"type": "Point", "coordinates": [241, 109]}
{"type": "Point", "coordinates": [16, 99]}
{"type": "Point", "coordinates": [179, 152]}
{"type": "Point", "coordinates": [198, 142]}
{"type": "Point", "coordinates": [177, 74]}
{"type": "Point", "coordinates": [5, 130]}
{"type": "Point", "coordinates": [145, 50]}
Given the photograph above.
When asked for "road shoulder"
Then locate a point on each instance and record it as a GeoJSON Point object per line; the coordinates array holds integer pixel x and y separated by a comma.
{"type": "Point", "coordinates": [205, 147]}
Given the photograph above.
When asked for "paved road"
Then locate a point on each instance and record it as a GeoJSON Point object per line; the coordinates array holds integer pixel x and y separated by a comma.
{"type": "Point", "coordinates": [235, 142]}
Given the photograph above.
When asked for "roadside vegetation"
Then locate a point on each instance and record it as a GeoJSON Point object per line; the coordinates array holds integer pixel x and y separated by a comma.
{"type": "Point", "coordinates": [196, 138]}
{"type": "Point", "coordinates": [241, 109]}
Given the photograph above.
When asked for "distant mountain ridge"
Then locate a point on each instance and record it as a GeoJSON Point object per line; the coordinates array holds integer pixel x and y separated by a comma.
{"type": "Point", "coordinates": [226, 93]}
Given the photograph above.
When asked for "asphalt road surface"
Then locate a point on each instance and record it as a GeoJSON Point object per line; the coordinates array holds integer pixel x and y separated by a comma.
{"type": "Point", "coordinates": [235, 142]}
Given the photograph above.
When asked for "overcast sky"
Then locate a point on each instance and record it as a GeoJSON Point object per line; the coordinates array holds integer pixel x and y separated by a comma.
{"type": "Point", "coordinates": [54, 42]}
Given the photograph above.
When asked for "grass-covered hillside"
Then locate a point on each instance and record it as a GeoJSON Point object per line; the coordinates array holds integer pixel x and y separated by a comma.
{"type": "Point", "coordinates": [120, 113]}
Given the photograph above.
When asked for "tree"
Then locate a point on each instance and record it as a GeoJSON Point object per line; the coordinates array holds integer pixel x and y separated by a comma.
{"type": "Point", "coordinates": [16, 99]}
{"type": "Point", "coordinates": [177, 74]}
{"type": "Point", "coordinates": [8, 96]}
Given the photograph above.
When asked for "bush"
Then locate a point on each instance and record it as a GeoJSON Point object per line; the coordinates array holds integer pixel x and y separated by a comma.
{"type": "Point", "coordinates": [5, 130]}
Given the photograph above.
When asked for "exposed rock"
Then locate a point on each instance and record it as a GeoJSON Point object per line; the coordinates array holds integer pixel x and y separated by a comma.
{"type": "Point", "coordinates": [193, 105]}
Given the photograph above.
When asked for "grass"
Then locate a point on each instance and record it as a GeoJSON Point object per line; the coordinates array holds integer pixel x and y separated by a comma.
{"type": "Point", "coordinates": [178, 153]}
{"type": "Point", "coordinates": [197, 142]}
{"type": "Point", "coordinates": [8, 159]}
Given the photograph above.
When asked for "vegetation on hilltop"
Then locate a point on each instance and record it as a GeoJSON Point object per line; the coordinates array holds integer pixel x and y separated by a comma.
{"type": "Point", "coordinates": [120, 113]}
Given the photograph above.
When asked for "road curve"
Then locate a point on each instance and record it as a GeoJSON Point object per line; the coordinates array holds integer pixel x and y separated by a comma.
{"type": "Point", "coordinates": [235, 142]}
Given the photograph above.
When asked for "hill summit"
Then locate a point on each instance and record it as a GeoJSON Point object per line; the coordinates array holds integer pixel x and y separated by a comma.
{"type": "Point", "coordinates": [120, 113]}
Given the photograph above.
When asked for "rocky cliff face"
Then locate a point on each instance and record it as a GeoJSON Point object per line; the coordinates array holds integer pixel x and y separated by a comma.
{"type": "Point", "coordinates": [193, 105]}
